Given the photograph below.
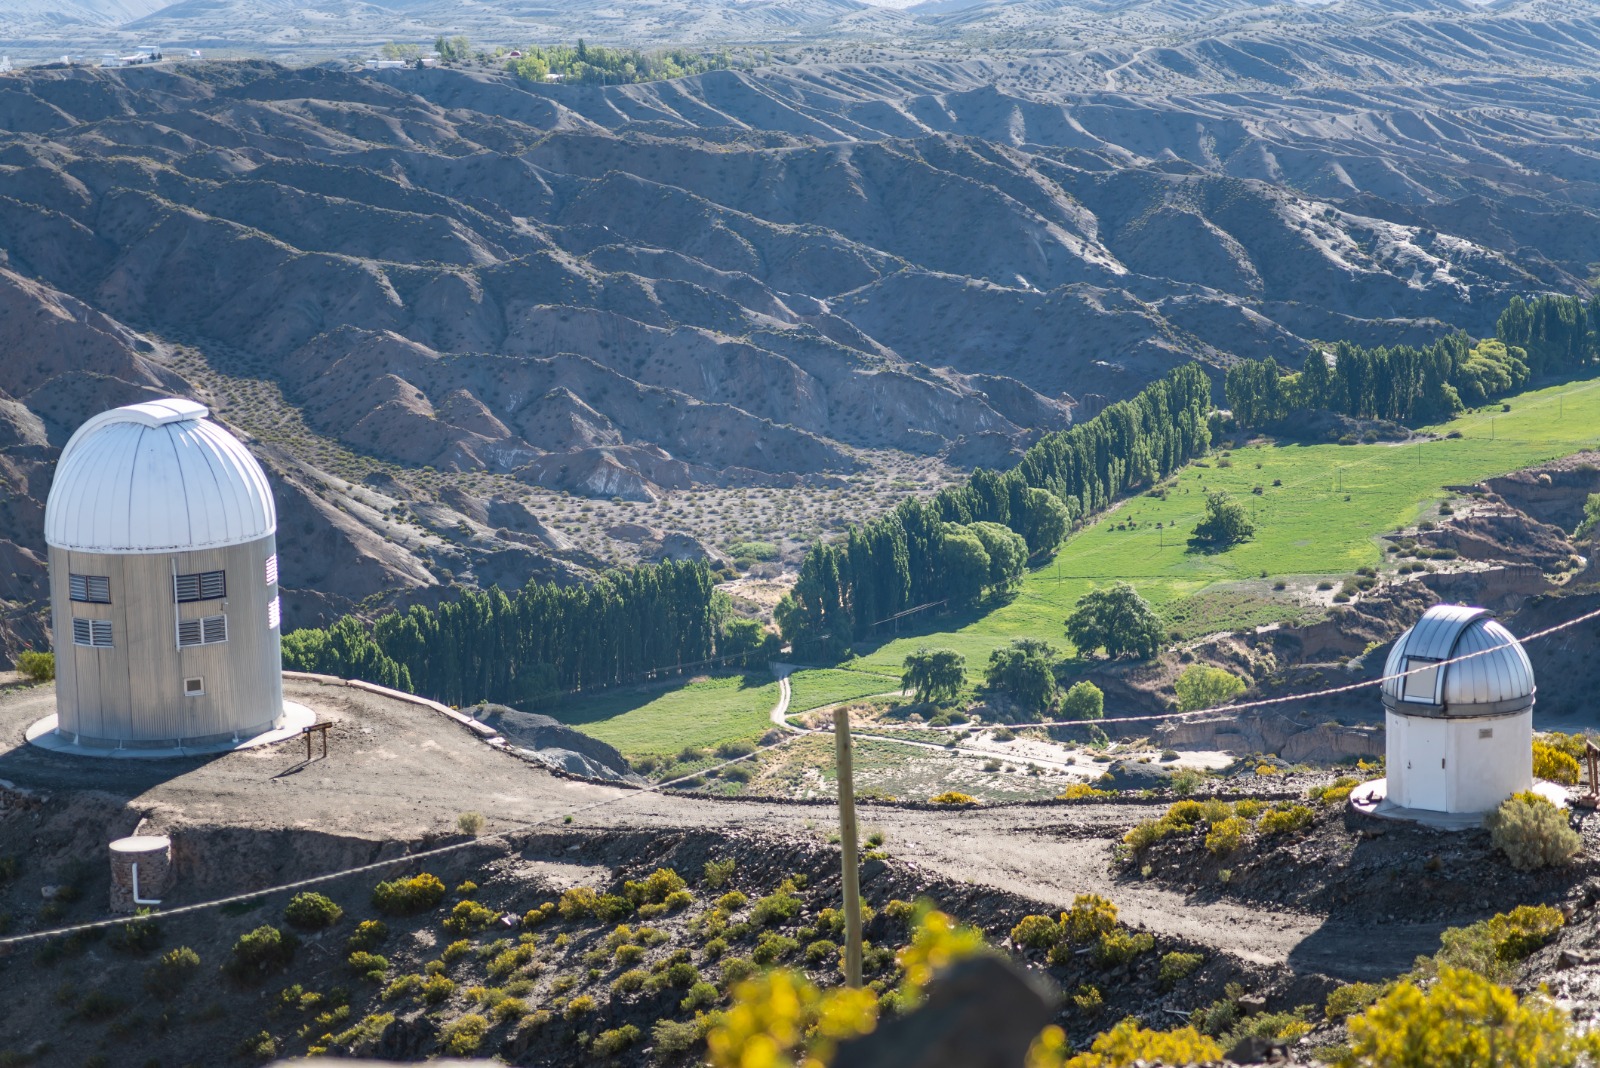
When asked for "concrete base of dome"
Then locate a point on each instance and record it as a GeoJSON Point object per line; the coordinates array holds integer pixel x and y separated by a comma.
{"type": "Point", "coordinates": [296, 717]}
{"type": "Point", "coordinates": [1372, 799]}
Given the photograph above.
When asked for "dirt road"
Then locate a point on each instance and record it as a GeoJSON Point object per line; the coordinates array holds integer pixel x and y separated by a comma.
{"type": "Point", "coordinates": [398, 771]}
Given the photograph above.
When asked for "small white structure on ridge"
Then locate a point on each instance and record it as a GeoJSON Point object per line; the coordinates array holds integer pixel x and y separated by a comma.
{"type": "Point", "coordinates": [161, 529]}
{"type": "Point", "coordinates": [1460, 735]}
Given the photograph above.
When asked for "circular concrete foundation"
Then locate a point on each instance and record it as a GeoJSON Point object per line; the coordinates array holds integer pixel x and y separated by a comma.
{"type": "Point", "coordinates": [1372, 799]}
{"type": "Point", "coordinates": [296, 717]}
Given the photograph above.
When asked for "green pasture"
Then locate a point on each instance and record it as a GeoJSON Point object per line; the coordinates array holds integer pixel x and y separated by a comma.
{"type": "Point", "coordinates": [1323, 519]}
{"type": "Point", "coordinates": [703, 713]}
{"type": "Point", "coordinates": [819, 687]}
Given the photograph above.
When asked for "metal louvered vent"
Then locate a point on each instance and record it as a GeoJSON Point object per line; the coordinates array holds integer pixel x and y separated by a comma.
{"type": "Point", "coordinates": [206, 586]}
{"type": "Point", "coordinates": [208, 630]}
{"type": "Point", "coordinates": [92, 589]}
{"type": "Point", "coordinates": [272, 570]}
{"type": "Point", "coordinates": [274, 615]}
{"type": "Point", "coordinates": [95, 633]}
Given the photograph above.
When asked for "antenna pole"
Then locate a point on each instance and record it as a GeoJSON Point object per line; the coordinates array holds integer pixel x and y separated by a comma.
{"type": "Point", "coordinates": [847, 848]}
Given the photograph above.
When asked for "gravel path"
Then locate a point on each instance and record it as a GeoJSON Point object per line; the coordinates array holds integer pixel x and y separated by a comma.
{"type": "Point", "coordinates": [398, 771]}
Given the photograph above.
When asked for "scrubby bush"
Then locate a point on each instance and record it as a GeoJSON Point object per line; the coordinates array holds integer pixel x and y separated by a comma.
{"type": "Point", "coordinates": [1080, 790]}
{"type": "Point", "coordinates": [508, 1009]}
{"type": "Point", "coordinates": [1088, 1000]}
{"type": "Point", "coordinates": [1084, 700]}
{"type": "Point", "coordinates": [407, 897]}
{"type": "Point", "coordinates": [612, 1042]}
{"type": "Point", "coordinates": [1036, 932]}
{"type": "Point", "coordinates": [578, 903]}
{"type": "Point", "coordinates": [773, 947]}
{"type": "Point", "coordinates": [581, 1005]}
{"type": "Point", "coordinates": [630, 981]}
{"type": "Point", "coordinates": [36, 666]}
{"type": "Point", "coordinates": [402, 987]}
{"type": "Point", "coordinates": [737, 969]}
{"type": "Point", "coordinates": [469, 917]}
{"type": "Point", "coordinates": [1119, 947]}
{"type": "Point", "coordinates": [1351, 998]}
{"type": "Point", "coordinates": [470, 823]}
{"type": "Point", "coordinates": [1285, 818]}
{"type": "Point", "coordinates": [1493, 947]}
{"type": "Point", "coordinates": [368, 964]}
{"type": "Point", "coordinates": [953, 797]}
{"type": "Point", "coordinates": [461, 1037]}
{"type": "Point", "coordinates": [1227, 835]}
{"type": "Point", "coordinates": [312, 912]}
{"type": "Point", "coordinates": [778, 907]}
{"type": "Point", "coordinates": [718, 872]}
{"type": "Point", "coordinates": [261, 952]}
{"type": "Point", "coordinates": [1533, 833]}
{"type": "Point", "coordinates": [1553, 764]}
{"type": "Point", "coordinates": [437, 989]}
{"type": "Point", "coordinates": [367, 935]}
{"type": "Point", "coordinates": [1126, 1043]}
{"type": "Point", "coordinates": [1465, 1019]}
{"type": "Point", "coordinates": [171, 972]}
{"type": "Point", "coordinates": [655, 888]}
{"type": "Point", "coordinates": [1176, 967]}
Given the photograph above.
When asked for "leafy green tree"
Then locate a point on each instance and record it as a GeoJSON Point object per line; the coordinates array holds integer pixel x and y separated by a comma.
{"type": "Point", "coordinates": [453, 49]}
{"type": "Point", "coordinates": [1226, 521]}
{"type": "Point", "coordinates": [934, 674]}
{"type": "Point", "coordinates": [1008, 555]}
{"type": "Point", "coordinates": [1591, 517]}
{"type": "Point", "coordinates": [1204, 686]}
{"type": "Point", "coordinates": [1046, 520]}
{"type": "Point", "coordinates": [965, 563]}
{"type": "Point", "coordinates": [1117, 620]}
{"type": "Point", "coordinates": [1024, 671]}
{"type": "Point", "coordinates": [1084, 701]}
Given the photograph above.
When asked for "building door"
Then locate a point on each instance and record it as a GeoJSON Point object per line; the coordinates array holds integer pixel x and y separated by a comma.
{"type": "Point", "coordinates": [1425, 756]}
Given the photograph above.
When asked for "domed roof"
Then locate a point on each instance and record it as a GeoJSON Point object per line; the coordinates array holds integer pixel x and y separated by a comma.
{"type": "Point", "coordinates": [1497, 682]}
{"type": "Point", "coordinates": [156, 477]}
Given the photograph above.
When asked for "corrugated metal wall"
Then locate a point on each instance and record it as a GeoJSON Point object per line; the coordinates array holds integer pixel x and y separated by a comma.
{"type": "Point", "coordinates": [133, 693]}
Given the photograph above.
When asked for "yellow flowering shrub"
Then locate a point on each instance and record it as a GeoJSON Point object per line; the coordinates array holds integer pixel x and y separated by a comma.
{"type": "Point", "coordinates": [1464, 1020]}
{"type": "Point", "coordinates": [1123, 1045]}
{"type": "Point", "coordinates": [1552, 764]}
{"type": "Point", "coordinates": [1080, 790]}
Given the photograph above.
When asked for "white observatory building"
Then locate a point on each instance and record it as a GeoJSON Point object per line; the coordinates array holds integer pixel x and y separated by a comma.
{"type": "Point", "coordinates": [1460, 735]}
{"type": "Point", "coordinates": [163, 587]}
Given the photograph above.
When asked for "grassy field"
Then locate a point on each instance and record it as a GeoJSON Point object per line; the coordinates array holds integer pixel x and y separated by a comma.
{"type": "Point", "coordinates": [703, 713]}
{"type": "Point", "coordinates": [1322, 518]}
{"type": "Point", "coordinates": [817, 687]}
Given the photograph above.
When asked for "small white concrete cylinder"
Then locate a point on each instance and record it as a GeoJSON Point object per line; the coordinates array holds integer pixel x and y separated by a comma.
{"type": "Point", "coordinates": [151, 857]}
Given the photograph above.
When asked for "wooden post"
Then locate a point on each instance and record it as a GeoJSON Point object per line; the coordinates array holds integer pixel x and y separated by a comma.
{"type": "Point", "coordinates": [847, 845]}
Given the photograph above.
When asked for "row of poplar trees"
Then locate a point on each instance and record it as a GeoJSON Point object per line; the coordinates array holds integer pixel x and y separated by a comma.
{"type": "Point", "coordinates": [525, 647]}
{"type": "Point", "coordinates": [888, 565]}
{"type": "Point", "coordinates": [1547, 335]}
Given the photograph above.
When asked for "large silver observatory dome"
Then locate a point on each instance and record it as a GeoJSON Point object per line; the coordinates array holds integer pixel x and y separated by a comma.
{"type": "Point", "coordinates": [1497, 682]}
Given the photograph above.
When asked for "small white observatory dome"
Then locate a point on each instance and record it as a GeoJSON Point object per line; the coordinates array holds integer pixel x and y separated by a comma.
{"type": "Point", "coordinates": [163, 586]}
{"type": "Point", "coordinates": [156, 477]}
{"type": "Point", "coordinates": [1459, 734]}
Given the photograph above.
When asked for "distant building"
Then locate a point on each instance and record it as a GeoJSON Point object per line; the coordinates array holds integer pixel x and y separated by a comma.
{"type": "Point", "coordinates": [162, 537]}
{"type": "Point", "coordinates": [1459, 718]}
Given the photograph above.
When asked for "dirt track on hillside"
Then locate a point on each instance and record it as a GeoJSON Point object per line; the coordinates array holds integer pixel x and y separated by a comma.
{"type": "Point", "coordinates": [399, 772]}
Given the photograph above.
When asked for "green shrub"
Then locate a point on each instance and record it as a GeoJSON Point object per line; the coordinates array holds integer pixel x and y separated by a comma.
{"type": "Point", "coordinates": [1090, 918]}
{"type": "Point", "coordinates": [671, 1037]}
{"type": "Point", "coordinates": [1285, 818]}
{"type": "Point", "coordinates": [402, 987]}
{"type": "Point", "coordinates": [470, 823]}
{"type": "Point", "coordinates": [737, 969]}
{"type": "Point", "coordinates": [1351, 998]}
{"type": "Point", "coordinates": [822, 952]}
{"type": "Point", "coordinates": [437, 989]}
{"type": "Point", "coordinates": [508, 1009]}
{"type": "Point", "coordinates": [581, 1005]}
{"type": "Point", "coordinates": [655, 888]}
{"type": "Point", "coordinates": [171, 972]}
{"type": "Point", "coordinates": [1119, 947]}
{"type": "Point", "coordinates": [368, 935]}
{"type": "Point", "coordinates": [469, 917]}
{"type": "Point", "coordinates": [1036, 932]}
{"type": "Point", "coordinates": [776, 908]}
{"type": "Point", "coordinates": [407, 897]}
{"type": "Point", "coordinates": [461, 1037]}
{"type": "Point", "coordinates": [700, 995]}
{"type": "Point", "coordinates": [36, 666]}
{"type": "Point", "coordinates": [1553, 764]}
{"type": "Point", "coordinates": [455, 950]}
{"type": "Point", "coordinates": [1176, 967]}
{"type": "Point", "coordinates": [368, 964]}
{"type": "Point", "coordinates": [1088, 1000]}
{"type": "Point", "coordinates": [629, 981]}
{"type": "Point", "coordinates": [718, 872]}
{"type": "Point", "coordinates": [258, 1047]}
{"type": "Point", "coordinates": [138, 936]}
{"type": "Point", "coordinates": [610, 1043]}
{"type": "Point", "coordinates": [1533, 834]}
{"type": "Point", "coordinates": [312, 912]}
{"type": "Point", "coordinates": [534, 917]}
{"type": "Point", "coordinates": [1227, 836]}
{"type": "Point", "coordinates": [1493, 947]}
{"type": "Point", "coordinates": [773, 947]}
{"type": "Point", "coordinates": [261, 952]}
{"type": "Point", "coordinates": [1465, 1019]}
{"type": "Point", "coordinates": [628, 955]}
{"type": "Point", "coordinates": [682, 974]}
{"type": "Point", "coordinates": [732, 902]}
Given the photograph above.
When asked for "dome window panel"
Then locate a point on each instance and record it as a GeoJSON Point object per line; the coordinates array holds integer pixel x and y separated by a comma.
{"type": "Point", "coordinates": [93, 633]}
{"type": "Point", "coordinates": [1422, 684]}
{"type": "Point", "coordinates": [207, 630]}
{"type": "Point", "coordinates": [90, 589]}
{"type": "Point", "coordinates": [205, 586]}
